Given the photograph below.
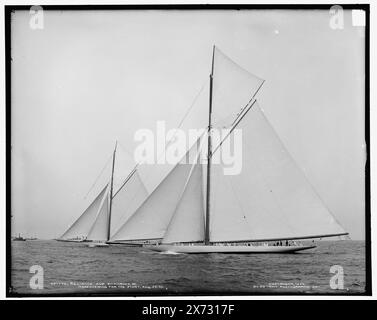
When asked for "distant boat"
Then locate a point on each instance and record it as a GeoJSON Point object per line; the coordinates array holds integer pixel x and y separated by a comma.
{"type": "Point", "coordinates": [19, 238]}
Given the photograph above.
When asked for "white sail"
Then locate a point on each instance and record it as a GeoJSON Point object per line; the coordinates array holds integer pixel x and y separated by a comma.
{"type": "Point", "coordinates": [227, 219]}
{"type": "Point", "coordinates": [233, 87]}
{"type": "Point", "coordinates": [271, 198]}
{"type": "Point", "coordinates": [151, 219]}
{"type": "Point", "coordinates": [187, 223]}
{"type": "Point", "coordinates": [125, 202]}
{"type": "Point", "coordinates": [99, 230]}
{"type": "Point", "coordinates": [81, 227]}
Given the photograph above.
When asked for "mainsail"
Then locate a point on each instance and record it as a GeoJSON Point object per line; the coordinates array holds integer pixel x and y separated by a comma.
{"type": "Point", "coordinates": [233, 88]}
{"type": "Point", "coordinates": [271, 198]}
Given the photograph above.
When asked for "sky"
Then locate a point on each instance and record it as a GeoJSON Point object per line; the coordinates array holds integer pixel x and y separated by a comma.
{"type": "Point", "coordinates": [89, 78]}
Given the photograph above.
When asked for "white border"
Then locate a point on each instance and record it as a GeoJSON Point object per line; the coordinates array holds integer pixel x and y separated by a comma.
{"type": "Point", "coordinates": [373, 149]}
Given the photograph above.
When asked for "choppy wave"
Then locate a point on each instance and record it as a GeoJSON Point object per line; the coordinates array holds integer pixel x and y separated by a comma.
{"type": "Point", "coordinates": [73, 268]}
{"type": "Point", "coordinates": [170, 252]}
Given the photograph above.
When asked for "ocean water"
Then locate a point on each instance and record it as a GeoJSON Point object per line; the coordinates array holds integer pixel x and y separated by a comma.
{"type": "Point", "coordinates": [74, 268]}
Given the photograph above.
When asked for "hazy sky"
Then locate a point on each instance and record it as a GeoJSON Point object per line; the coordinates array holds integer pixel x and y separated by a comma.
{"type": "Point", "coordinates": [89, 78]}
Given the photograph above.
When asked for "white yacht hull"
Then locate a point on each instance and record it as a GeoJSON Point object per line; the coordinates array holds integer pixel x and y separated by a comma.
{"type": "Point", "coordinates": [226, 249]}
{"type": "Point", "coordinates": [126, 244]}
{"type": "Point", "coordinates": [131, 243]}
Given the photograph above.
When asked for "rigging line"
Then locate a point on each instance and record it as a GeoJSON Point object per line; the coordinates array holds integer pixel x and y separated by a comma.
{"type": "Point", "coordinates": [255, 93]}
{"type": "Point", "coordinates": [167, 144]}
{"type": "Point", "coordinates": [241, 114]}
{"type": "Point", "coordinates": [148, 178]}
{"type": "Point", "coordinates": [231, 60]}
{"type": "Point", "coordinates": [183, 119]}
{"type": "Point", "coordinates": [173, 136]}
{"type": "Point", "coordinates": [130, 174]}
{"type": "Point", "coordinates": [125, 150]}
{"type": "Point", "coordinates": [238, 120]}
{"type": "Point", "coordinates": [149, 175]}
{"type": "Point", "coordinates": [132, 199]}
{"type": "Point", "coordinates": [299, 168]}
{"type": "Point", "coordinates": [159, 156]}
{"type": "Point", "coordinates": [192, 104]}
{"type": "Point", "coordinates": [103, 169]}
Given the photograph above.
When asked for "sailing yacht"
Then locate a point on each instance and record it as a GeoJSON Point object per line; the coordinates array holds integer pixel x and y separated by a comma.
{"type": "Point", "coordinates": [102, 217]}
{"type": "Point", "coordinates": [264, 209]}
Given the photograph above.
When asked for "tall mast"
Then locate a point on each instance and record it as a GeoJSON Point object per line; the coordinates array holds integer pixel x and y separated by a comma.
{"type": "Point", "coordinates": [209, 154]}
{"type": "Point", "coordinates": [111, 193]}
